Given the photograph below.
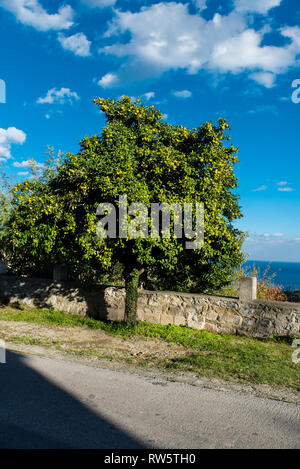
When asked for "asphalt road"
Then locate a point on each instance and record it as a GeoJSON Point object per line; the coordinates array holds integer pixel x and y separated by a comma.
{"type": "Point", "coordinates": [50, 403]}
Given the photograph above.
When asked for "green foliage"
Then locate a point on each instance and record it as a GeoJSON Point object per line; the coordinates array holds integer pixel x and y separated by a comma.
{"type": "Point", "coordinates": [5, 206]}
{"type": "Point", "coordinates": [4, 214]}
{"type": "Point", "coordinates": [231, 357]}
{"type": "Point", "coordinates": [54, 216]}
{"type": "Point", "coordinates": [266, 288]}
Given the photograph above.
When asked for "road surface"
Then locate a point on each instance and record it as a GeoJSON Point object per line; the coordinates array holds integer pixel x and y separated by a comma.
{"type": "Point", "coordinates": [51, 403]}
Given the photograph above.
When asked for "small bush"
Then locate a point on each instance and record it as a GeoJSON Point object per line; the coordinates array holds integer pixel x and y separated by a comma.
{"type": "Point", "coordinates": [266, 288]}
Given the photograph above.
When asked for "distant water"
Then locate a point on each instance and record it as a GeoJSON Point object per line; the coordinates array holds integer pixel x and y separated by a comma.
{"type": "Point", "coordinates": [287, 273]}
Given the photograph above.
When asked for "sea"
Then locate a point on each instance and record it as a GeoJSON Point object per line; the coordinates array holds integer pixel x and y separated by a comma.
{"type": "Point", "coordinates": [287, 274]}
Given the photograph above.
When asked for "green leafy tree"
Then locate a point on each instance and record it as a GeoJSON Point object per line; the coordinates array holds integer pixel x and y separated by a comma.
{"type": "Point", "coordinates": [4, 216]}
{"type": "Point", "coordinates": [5, 206]}
{"type": "Point", "coordinates": [138, 155]}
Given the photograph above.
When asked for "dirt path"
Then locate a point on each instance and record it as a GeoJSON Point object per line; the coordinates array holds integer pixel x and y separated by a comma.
{"type": "Point", "coordinates": [144, 357]}
{"type": "Point", "coordinates": [84, 341]}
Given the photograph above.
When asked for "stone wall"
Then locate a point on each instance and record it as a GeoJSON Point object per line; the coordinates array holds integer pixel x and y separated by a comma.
{"type": "Point", "coordinates": [218, 314]}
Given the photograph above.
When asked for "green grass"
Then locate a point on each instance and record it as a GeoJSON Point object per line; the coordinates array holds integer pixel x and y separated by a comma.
{"type": "Point", "coordinates": [225, 356]}
{"type": "Point", "coordinates": [47, 316]}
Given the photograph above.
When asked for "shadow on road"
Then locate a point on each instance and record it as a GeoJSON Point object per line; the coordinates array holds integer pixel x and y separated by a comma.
{"type": "Point", "coordinates": [35, 413]}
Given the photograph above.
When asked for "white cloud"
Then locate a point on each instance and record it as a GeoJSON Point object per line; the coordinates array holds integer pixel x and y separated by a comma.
{"type": "Point", "coordinates": [285, 189]}
{"type": "Point", "coordinates": [258, 6]}
{"type": "Point", "coordinates": [269, 238]}
{"type": "Point", "coordinates": [266, 79]}
{"type": "Point", "coordinates": [9, 137]}
{"type": "Point", "coordinates": [259, 189]}
{"type": "Point", "coordinates": [282, 183]}
{"type": "Point", "coordinates": [31, 13]}
{"type": "Point", "coordinates": [200, 4]}
{"type": "Point", "coordinates": [99, 3]}
{"type": "Point", "coordinates": [78, 43]}
{"type": "Point", "coordinates": [244, 52]}
{"type": "Point", "coordinates": [293, 33]}
{"type": "Point", "coordinates": [184, 41]}
{"type": "Point", "coordinates": [149, 95]}
{"type": "Point", "coordinates": [276, 246]}
{"type": "Point", "coordinates": [182, 94]}
{"type": "Point", "coordinates": [28, 164]}
{"type": "Point", "coordinates": [62, 96]}
{"type": "Point", "coordinates": [110, 79]}
{"type": "Point", "coordinates": [190, 42]}
{"type": "Point", "coordinates": [23, 164]}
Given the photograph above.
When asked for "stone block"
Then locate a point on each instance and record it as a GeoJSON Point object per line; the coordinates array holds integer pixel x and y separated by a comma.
{"type": "Point", "coordinates": [248, 289]}
{"type": "Point", "coordinates": [174, 310]}
{"type": "Point", "coordinates": [115, 314]}
{"type": "Point", "coordinates": [193, 321]}
{"type": "Point", "coordinates": [166, 319]}
{"type": "Point", "coordinates": [179, 320]}
{"type": "Point", "coordinates": [151, 317]}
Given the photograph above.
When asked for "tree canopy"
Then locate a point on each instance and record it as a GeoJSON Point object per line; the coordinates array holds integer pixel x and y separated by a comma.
{"type": "Point", "coordinates": [53, 217]}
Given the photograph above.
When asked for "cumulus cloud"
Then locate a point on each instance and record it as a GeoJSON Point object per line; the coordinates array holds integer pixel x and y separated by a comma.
{"type": "Point", "coordinates": [256, 6]}
{"type": "Point", "coordinates": [9, 137]}
{"type": "Point", "coordinates": [266, 79]}
{"type": "Point", "coordinates": [188, 41]}
{"type": "Point", "coordinates": [110, 79]}
{"type": "Point", "coordinates": [31, 13]}
{"type": "Point", "coordinates": [244, 52]}
{"type": "Point", "coordinates": [62, 96]}
{"type": "Point", "coordinates": [182, 94]}
{"type": "Point", "coordinates": [78, 44]}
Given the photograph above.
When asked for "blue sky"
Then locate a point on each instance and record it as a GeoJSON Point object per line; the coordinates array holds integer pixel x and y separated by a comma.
{"type": "Point", "coordinates": [195, 61]}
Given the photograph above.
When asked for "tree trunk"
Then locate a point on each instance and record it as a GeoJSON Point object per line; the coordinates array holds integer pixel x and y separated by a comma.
{"type": "Point", "coordinates": [131, 297]}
